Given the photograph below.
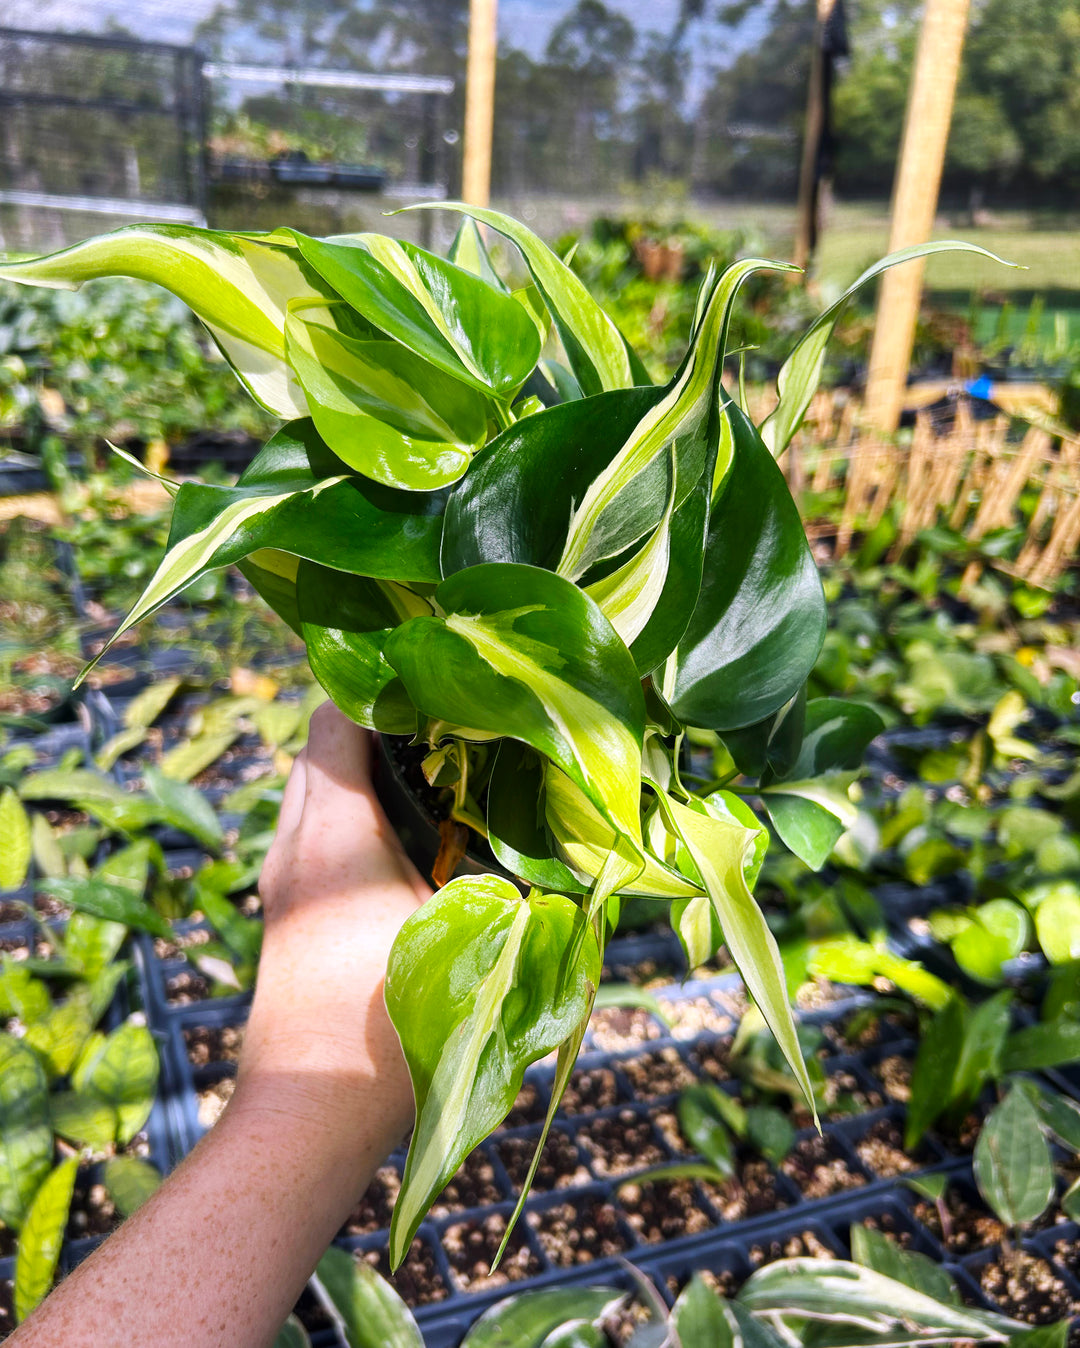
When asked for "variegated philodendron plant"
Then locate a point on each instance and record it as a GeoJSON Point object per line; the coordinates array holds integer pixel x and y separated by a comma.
{"type": "Point", "coordinates": [561, 590]}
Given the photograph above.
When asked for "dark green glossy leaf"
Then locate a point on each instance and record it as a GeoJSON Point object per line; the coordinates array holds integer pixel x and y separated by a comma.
{"type": "Point", "coordinates": [41, 1238]}
{"type": "Point", "coordinates": [1061, 1116]}
{"type": "Point", "coordinates": [477, 988]}
{"type": "Point", "coordinates": [114, 903]}
{"type": "Point", "coordinates": [760, 617]}
{"type": "Point", "coordinates": [934, 1070]}
{"type": "Point", "coordinates": [1052, 1043]}
{"type": "Point", "coordinates": [522, 652]}
{"type": "Point", "coordinates": [872, 1249]}
{"type": "Point", "coordinates": [130, 1182]}
{"type": "Point", "coordinates": [442, 312]}
{"type": "Point", "coordinates": [835, 735]}
{"type": "Point", "coordinates": [26, 1140]}
{"type": "Point", "coordinates": [366, 1309]}
{"type": "Point", "coordinates": [345, 621]}
{"type": "Point", "coordinates": [703, 1126]}
{"type": "Point", "coordinates": [810, 820]}
{"type": "Point", "coordinates": [517, 831]}
{"type": "Point", "coordinates": [525, 1320]}
{"type": "Point", "coordinates": [1013, 1165]}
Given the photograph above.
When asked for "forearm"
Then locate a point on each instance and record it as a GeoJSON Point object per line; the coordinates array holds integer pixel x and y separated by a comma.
{"type": "Point", "coordinates": [220, 1254]}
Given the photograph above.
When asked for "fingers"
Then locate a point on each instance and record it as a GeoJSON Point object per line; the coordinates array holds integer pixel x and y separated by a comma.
{"type": "Point", "coordinates": [338, 754]}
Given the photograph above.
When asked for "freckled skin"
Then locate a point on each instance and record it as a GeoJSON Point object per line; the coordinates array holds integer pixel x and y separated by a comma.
{"type": "Point", "coordinates": [217, 1258]}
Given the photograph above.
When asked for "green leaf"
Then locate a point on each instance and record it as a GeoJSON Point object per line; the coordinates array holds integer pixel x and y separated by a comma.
{"type": "Point", "coordinates": [1052, 1043]}
{"type": "Point", "coordinates": [41, 1238]}
{"type": "Point", "coordinates": [366, 1309]}
{"type": "Point", "coordinates": [1013, 1166]}
{"type": "Point", "coordinates": [26, 1139]}
{"type": "Point", "coordinates": [384, 412]}
{"type": "Point", "coordinates": [91, 944]}
{"type": "Point", "coordinates": [703, 1126]}
{"type": "Point", "coordinates": [114, 903]}
{"type": "Point", "coordinates": [476, 988]}
{"type": "Point", "coordinates": [292, 1334]}
{"type": "Point", "coordinates": [185, 808]}
{"type": "Point", "coordinates": [298, 498]}
{"type": "Point", "coordinates": [800, 374]}
{"type": "Point", "coordinates": [48, 854]}
{"type": "Point", "coordinates": [15, 847]}
{"type": "Point", "coordinates": [700, 1317]}
{"type": "Point", "coordinates": [835, 735]}
{"type": "Point", "coordinates": [1070, 1201]}
{"type": "Point", "coordinates": [195, 755]}
{"type": "Point", "coordinates": [980, 1056]}
{"type": "Point", "coordinates": [1057, 925]}
{"type": "Point", "coordinates": [345, 621]}
{"type": "Point", "coordinates": [241, 935]}
{"type": "Point", "coordinates": [122, 1070]}
{"type": "Point", "coordinates": [22, 995]}
{"type": "Point", "coordinates": [934, 1071]}
{"type": "Point", "coordinates": [517, 829]}
{"type": "Point", "coordinates": [239, 285]}
{"type": "Point", "coordinates": [724, 850]}
{"type": "Point", "coordinates": [1061, 1116]}
{"type": "Point", "coordinates": [444, 313]}
{"type": "Point", "coordinates": [97, 795]}
{"type": "Point", "coordinates": [770, 1131]}
{"type": "Point", "coordinates": [759, 621]}
{"type": "Point", "coordinates": [522, 652]}
{"type": "Point", "coordinates": [629, 994]}
{"type": "Point", "coordinates": [130, 1182]}
{"type": "Point", "coordinates": [59, 1037]}
{"type": "Point", "coordinates": [469, 251]}
{"type": "Point", "coordinates": [595, 348]}
{"type": "Point", "coordinates": [83, 1120]}
{"type": "Point", "coordinates": [874, 1250]}
{"type": "Point", "coordinates": [145, 707]}
{"type": "Point", "coordinates": [525, 1320]}
{"type": "Point", "coordinates": [810, 817]}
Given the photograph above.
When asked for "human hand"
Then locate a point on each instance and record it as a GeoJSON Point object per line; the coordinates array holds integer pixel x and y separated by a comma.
{"type": "Point", "coordinates": [336, 887]}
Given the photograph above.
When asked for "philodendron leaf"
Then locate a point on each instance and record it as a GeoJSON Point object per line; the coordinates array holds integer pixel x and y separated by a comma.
{"type": "Point", "coordinates": [700, 1316]}
{"type": "Point", "coordinates": [834, 737]}
{"type": "Point", "coordinates": [1051, 1043]}
{"type": "Point", "coordinates": [521, 652]}
{"type": "Point", "coordinates": [702, 1126]}
{"type": "Point", "coordinates": [15, 844]}
{"type": "Point", "coordinates": [526, 1320]}
{"type": "Point", "coordinates": [759, 621]}
{"type": "Point", "coordinates": [114, 903]}
{"type": "Point", "coordinates": [872, 1249]}
{"type": "Point", "coordinates": [239, 285]}
{"type": "Point", "coordinates": [83, 1120]}
{"type": "Point", "coordinates": [800, 374]}
{"type": "Point", "coordinates": [980, 1050]}
{"type": "Point", "coordinates": [726, 845]}
{"type": "Point", "coordinates": [1013, 1166]}
{"type": "Point", "coordinates": [366, 1310]}
{"type": "Point", "coordinates": [382, 410]}
{"type": "Point", "coordinates": [517, 830]}
{"type": "Point", "coordinates": [477, 988]}
{"type": "Point", "coordinates": [998, 932]}
{"type": "Point", "coordinates": [596, 349]}
{"type": "Point", "coordinates": [121, 1069]}
{"type": "Point", "coordinates": [345, 621]}
{"type": "Point", "coordinates": [26, 1139]}
{"type": "Point", "coordinates": [469, 251]}
{"type": "Point", "coordinates": [299, 499]}
{"type": "Point", "coordinates": [185, 808]}
{"type": "Point", "coordinates": [292, 1334]}
{"type": "Point", "coordinates": [130, 1182]}
{"type": "Point", "coordinates": [42, 1236]}
{"type": "Point", "coordinates": [848, 1294]}
{"type": "Point", "coordinates": [810, 816]}
{"type": "Point", "coordinates": [442, 312]}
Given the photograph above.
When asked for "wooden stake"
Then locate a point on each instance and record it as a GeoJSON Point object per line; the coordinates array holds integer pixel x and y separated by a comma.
{"type": "Point", "coordinates": [915, 196]}
{"type": "Point", "coordinates": [479, 101]}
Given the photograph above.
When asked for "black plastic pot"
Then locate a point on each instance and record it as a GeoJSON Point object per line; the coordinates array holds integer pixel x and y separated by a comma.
{"type": "Point", "coordinates": [413, 822]}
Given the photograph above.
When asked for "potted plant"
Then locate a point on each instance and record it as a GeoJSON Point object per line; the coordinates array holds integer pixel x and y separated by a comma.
{"type": "Point", "coordinates": [543, 597]}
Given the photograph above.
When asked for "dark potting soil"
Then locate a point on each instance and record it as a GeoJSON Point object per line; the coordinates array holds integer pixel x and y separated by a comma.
{"type": "Point", "coordinates": [654, 1075]}
{"type": "Point", "coordinates": [617, 1027]}
{"type": "Point", "coordinates": [666, 1123]}
{"type": "Point", "coordinates": [881, 1150]}
{"type": "Point", "coordinates": [1027, 1288]}
{"type": "Point", "coordinates": [713, 1059]}
{"type": "Point", "coordinates": [560, 1164]}
{"type": "Point", "coordinates": [806, 1245]}
{"type": "Point", "coordinates": [529, 1107]}
{"type": "Point", "coordinates": [471, 1246]}
{"type": "Point", "coordinates": [181, 941]}
{"type": "Point", "coordinates": [7, 1307]}
{"type": "Point", "coordinates": [663, 1211]}
{"type": "Point", "coordinates": [620, 1144]}
{"type": "Point", "coordinates": [473, 1186]}
{"type": "Point", "coordinates": [9, 1241]}
{"type": "Point", "coordinates": [859, 1031]}
{"type": "Point", "coordinates": [418, 1281]}
{"type": "Point", "coordinates": [589, 1089]}
{"type": "Point", "coordinates": [694, 1016]}
{"type": "Point", "coordinates": [185, 987]}
{"type": "Point", "coordinates": [841, 1097]}
{"type": "Point", "coordinates": [886, 1223]}
{"type": "Point", "coordinates": [48, 906]}
{"type": "Point", "coordinates": [93, 1212]}
{"type": "Point", "coordinates": [724, 1282]}
{"type": "Point", "coordinates": [894, 1073]}
{"type": "Point", "coordinates": [971, 1227]}
{"type": "Point", "coordinates": [376, 1205]}
{"type": "Point", "coordinates": [750, 1192]}
{"type": "Point", "coordinates": [207, 1044]}
{"type": "Point", "coordinates": [640, 973]}
{"type": "Point", "coordinates": [15, 945]}
{"type": "Point", "coordinates": [11, 912]}
{"type": "Point", "coordinates": [579, 1233]}
{"type": "Point", "coordinates": [819, 1168]}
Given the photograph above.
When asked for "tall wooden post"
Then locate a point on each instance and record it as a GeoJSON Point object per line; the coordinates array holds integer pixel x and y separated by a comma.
{"type": "Point", "coordinates": [479, 101]}
{"type": "Point", "coordinates": [806, 214]}
{"type": "Point", "coordinates": [915, 196]}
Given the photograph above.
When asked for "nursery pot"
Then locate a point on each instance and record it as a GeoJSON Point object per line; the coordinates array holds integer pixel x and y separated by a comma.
{"type": "Point", "coordinates": [408, 803]}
